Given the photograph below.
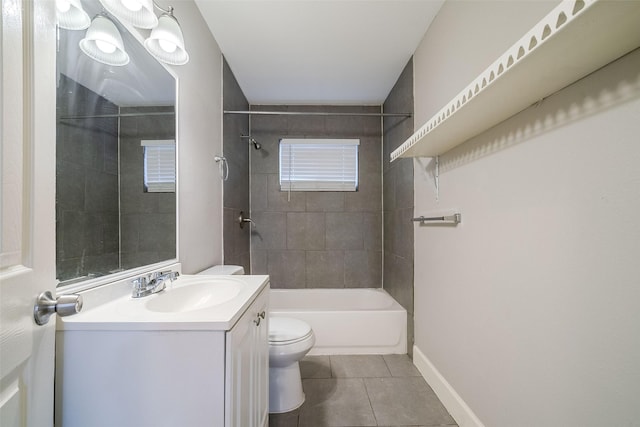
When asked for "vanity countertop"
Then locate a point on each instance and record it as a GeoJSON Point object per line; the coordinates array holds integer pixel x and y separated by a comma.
{"type": "Point", "coordinates": [134, 314]}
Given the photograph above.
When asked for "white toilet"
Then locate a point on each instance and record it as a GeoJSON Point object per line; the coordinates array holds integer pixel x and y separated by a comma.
{"type": "Point", "coordinates": [289, 340]}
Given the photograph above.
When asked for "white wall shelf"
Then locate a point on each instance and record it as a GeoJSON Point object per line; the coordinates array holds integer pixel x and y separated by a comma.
{"type": "Point", "coordinates": [575, 39]}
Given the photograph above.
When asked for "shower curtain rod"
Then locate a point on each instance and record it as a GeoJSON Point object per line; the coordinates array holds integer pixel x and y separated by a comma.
{"type": "Point", "coordinates": [314, 113]}
{"type": "Point", "coordinates": [115, 116]}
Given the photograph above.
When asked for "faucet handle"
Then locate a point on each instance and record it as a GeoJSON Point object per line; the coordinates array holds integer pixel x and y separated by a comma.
{"type": "Point", "coordinates": [139, 282]}
{"type": "Point", "coordinates": [171, 275]}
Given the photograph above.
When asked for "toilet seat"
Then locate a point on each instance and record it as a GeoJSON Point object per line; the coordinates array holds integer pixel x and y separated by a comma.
{"type": "Point", "coordinates": [285, 331]}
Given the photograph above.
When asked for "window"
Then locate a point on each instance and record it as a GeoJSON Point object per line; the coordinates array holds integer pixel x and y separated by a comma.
{"type": "Point", "coordinates": [159, 166]}
{"type": "Point", "coordinates": [319, 164]}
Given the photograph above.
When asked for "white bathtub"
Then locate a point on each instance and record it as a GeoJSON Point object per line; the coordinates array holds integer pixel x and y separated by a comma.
{"type": "Point", "coordinates": [346, 321]}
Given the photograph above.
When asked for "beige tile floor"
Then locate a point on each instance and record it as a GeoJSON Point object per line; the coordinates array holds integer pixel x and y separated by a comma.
{"type": "Point", "coordinates": [369, 390]}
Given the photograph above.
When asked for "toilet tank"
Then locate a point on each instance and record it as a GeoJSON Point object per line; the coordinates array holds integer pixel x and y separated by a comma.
{"type": "Point", "coordinates": [222, 270]}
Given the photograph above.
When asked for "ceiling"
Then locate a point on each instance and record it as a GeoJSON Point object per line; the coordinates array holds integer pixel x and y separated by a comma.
{"type": "Point", "coordinates": [332, 52]}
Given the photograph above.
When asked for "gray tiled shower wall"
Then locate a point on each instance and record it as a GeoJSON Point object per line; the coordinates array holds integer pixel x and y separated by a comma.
{"type": "Point", "coordinates": [398, 199]}
{"type": "Point", "coordinates": [236, 187]}
{"type": "Point", "coordinates": [86, 183]}
{"type": "Point", "coordinates": [89, 207]}
{"type": "Point", "coordinates": [148, 220]}
{"type": "Point", "coordinates": [317, 239]}
{"type": "Point", "coordinates": [323, 239]}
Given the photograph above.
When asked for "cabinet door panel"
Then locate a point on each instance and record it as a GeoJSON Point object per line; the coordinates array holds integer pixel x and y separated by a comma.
{"type": "Point", "coordinates": [247, 370]}
{"type": "Point", "coordinates": [238, 384]}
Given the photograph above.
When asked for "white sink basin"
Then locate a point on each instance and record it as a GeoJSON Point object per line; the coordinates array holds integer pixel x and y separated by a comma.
{"type": "Point", "coordinates": [195, 294]}
{"type": "Point", "coordinates": [190, 303]}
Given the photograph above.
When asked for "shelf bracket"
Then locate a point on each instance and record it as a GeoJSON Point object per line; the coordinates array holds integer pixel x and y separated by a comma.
{"type": "Point", "coordinates": [437, 178]}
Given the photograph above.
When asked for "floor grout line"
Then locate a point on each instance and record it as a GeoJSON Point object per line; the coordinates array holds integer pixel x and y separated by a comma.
{"type": "Point", "coordinates": [366, 389]}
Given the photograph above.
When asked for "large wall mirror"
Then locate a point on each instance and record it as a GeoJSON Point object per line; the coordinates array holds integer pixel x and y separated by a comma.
{"type": "Point", "coordinates": [115, 160]}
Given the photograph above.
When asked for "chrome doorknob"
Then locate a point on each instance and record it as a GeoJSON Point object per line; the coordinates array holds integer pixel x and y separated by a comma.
{"type": "Point", "coordinates": [64, 305]}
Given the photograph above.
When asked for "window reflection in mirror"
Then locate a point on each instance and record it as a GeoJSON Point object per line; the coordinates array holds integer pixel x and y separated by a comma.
{"type": "Point", "coordinates": [106, 221]}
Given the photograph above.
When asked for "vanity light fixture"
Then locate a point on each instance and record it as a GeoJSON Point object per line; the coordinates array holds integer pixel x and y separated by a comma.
{"type": "Point", "coordinates": [103, 42]}
{"type": "Point", "coordinates": [71, 15]}
{"type": "Point", "coordinates": [166, 42]}
{"type": "Point", "coordinates": [138, 13]}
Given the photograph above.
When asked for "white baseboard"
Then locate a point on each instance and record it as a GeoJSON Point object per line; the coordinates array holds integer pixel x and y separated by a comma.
{"type": "Point", "coordinates": [461, 413]}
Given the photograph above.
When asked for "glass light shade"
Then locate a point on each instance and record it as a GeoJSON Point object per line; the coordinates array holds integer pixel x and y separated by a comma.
{"type": "Point", "coordinates": [166, 42]}
{"type": "Point", "coordinates": [103, 43]}
{"type": "Point", "coordinates": [71, 15]}
{"type": "Point", "coordinates": [138, 13]}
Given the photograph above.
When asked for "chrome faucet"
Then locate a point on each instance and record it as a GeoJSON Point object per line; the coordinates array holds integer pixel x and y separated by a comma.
{"type": "Point", "coordinates": [152, 283]}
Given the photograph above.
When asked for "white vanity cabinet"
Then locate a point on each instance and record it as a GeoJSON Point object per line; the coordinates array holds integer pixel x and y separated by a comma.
{"type": "Point", "coordinates": [117, 364]}
{"type": "Point", "coordinates": [247, 367]}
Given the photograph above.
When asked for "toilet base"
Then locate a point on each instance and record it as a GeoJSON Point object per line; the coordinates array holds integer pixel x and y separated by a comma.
{"type": "Point", "coordinates": [285, 388]}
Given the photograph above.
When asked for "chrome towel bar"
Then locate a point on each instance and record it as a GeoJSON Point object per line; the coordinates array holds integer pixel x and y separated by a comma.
{"type": "Point", "coordinates": [450, 219]}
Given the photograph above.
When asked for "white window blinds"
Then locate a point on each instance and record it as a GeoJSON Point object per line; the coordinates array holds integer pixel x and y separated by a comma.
{"type": "Point", "coordinates": [159, 166]}
{"type": "Point", "coordinates": [319, 164]}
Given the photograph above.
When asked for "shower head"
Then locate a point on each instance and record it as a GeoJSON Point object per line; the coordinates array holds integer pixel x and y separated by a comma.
{"type": "Point", "coordinates": [255, 143]}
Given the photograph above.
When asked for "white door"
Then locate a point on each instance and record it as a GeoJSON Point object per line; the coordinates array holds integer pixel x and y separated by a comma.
{"type": "Point", "coordinates": [27, 251]}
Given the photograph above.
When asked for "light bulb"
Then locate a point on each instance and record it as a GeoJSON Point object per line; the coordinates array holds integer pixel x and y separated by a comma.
{"type": "Point", "coordinates": [167, 46]}
{"type": "Point", "coordinates": [63, 5]}
{"type": "Point", "coordinates": [132, 5]}
{"type": "Point", "coordinates": [105, 47]}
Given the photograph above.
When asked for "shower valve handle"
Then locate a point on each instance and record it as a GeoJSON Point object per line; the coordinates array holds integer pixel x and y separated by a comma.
{"type": "Point", "coordinates": [242, 219]}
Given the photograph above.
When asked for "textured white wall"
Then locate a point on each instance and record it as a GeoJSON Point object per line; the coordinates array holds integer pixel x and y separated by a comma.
{"type": "Point", "coordinates": [530, 309]}
{"type": "Point", "coordinates": [199, 139]}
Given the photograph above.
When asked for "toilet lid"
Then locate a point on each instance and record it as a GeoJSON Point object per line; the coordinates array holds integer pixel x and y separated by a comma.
{"type": "Point", "coordinates": [287, 329]}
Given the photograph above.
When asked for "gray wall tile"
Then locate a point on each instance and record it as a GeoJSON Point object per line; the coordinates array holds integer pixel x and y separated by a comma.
{"type": "Point", "coordinates": [361, 269]}
{"type": "Point", "coordinates": [370, 154]}
{"type": "Point", "coordinates": [270, 230]}
{"type": "Point", "coordinates": [368, 198]}
{"type": "Point", "coordinates": [344, 230]}
{"type": "Point", "coordinates": [404, 183]}
{"type": "Point", "coordinates": [259, 263]}
{"type": "Point", "coordinates": [372, 223]}
{"type": "Point", "coordinates": [270, 125]}
{"type": "Point", "coordinates": [324, 201]}
{"type": "Point", "coordinates": [236, 240]}
{"type": "Point", "coordinates": [283, 201]}
{"type": "Point", "coordinates": [265, 160]}
{"type": "Point", "coordinates": [399, 198]}
{"type": "Point", "coordinates": [237, 187]}
{"type": "Point", "coordinates": [259, 192]}
{"type": "Point", "coordinates": [286, 268]}
{"type": "Point", "coordinates": [324, 269]}
{"type": "Point", "coordinates": [305, 230]}
{"type": "Point", "coordinates": [347, 126]}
